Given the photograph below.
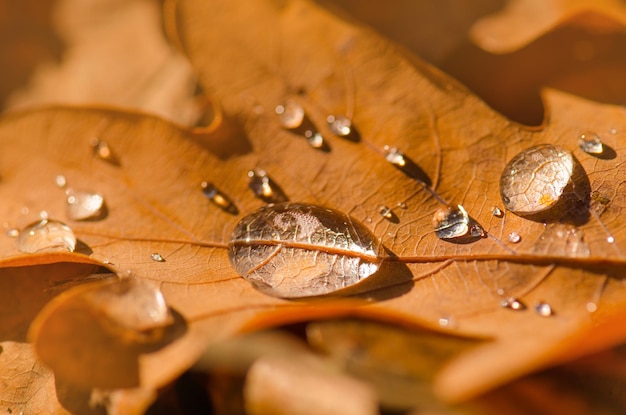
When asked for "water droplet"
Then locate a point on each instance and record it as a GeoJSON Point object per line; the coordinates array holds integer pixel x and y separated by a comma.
{"type": "Point", "coordinates": [613, 131]}
{"type": "Point", "coordinates": [536, 179]}
{"type": "Point", "coordinates": [46, 236]}
{"type": "Point", "coordinates": [451, 222]}
{"type": "Point", "coordinates": [102, 150]}
{"type": "Point", "coordinates": [610, 239]}
{"type": "Point", "coordinates": [447, 322]}
{"type": "Point", "coordinates": [402, 205]}
{"type": "Point", "coordinates": [294, 250]}
{"type": "Point", "coordinates": [497, 212]}
{"type": "Point", "coordinates": [339, 125]}
{"type": "Point", "coordinates": [395, 156]}
{"type": "Point", "coordinates": [544, 309]}
{"type": "Point", "coordinates": [156, 257]}
{"type": "Point", "coordinates": [589, 142]}
{"type": "Point", "coordinates": [562, 239]}
{"type": "Point", "coordinates": [385, 212]}
{"type": "Point", "coordinates": [60, 181]}
{"type": "Point", "coordinates": [315, 139]}
{"type": "Point", "coordinates": [132, 304]}
{"type": "Point", "coordinates": [218, 198]}
{"type": "Point", "coordinates": [265, 188]}
{"type": "Point", "coordinates": [13, 232]}
{"type": "Point", "coordinates": [591, 307]}
{"type": "Point", "coordinates": [406, 165]}
{"type": "Point", "coordinates": [43, 214]}
{"type": "Point", "coordinates": [290, 115]}
{"type": "Point", "coordinates": [514, 238]}
{"type": "Point", "coordinates": [513, 304]}
{"type": "Point", "coordinates": [83, 205]}
{"type": "Point", "coordinates": [25, 210]}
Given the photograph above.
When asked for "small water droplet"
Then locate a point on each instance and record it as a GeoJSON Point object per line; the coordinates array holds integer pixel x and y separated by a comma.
{"type": "Point", "coordinates": [385, 212]}
{"type": "Point", "coordinates": [613, 130]}
{"type": "Point", "coordinates": [497, 212]}
{"type": "Point", "coordinates": [265, 188]}
{"type": "Point", "coordinates": [102, 150]}
{"type": "Point", "coordinates": [290, 115]}
{"type": "Point", "coordinates": [589, 142]}
{"type": "Point", "coordinates": [46, 236]}
{"type": "Point", "coordinates": [82, 205]}
{"type": "Point", "coordinates": [394, 156]}
{"type": "Point", "coordinates": [315, 139]}
{"type": "Point", "coordinates": [60, 181]}
{"type": "Point", "coordinates": [43, 214]}
{"type": "Point", "coordinates": [402, 205]}
{"type": "Point", "coordinates": [536, 179]}
{"type": "Point", "coordinates": [339, 125]}
{"type": "Point", "coordinates": [513, 304]}
{"type": "Point", "coordinates": [591, 307]}
{"type": "Point", "coordinates": [514, 238]}
{"type": "Point", "coordinates": [294, 250]}
{"type": "Point", "coordinates": [13, 232]}
{"type": "Point", "coordinates": [447, 322]}
{"type": "Point", "coordinates": [25, 211]}
{"type": "Point", "coordinates": [218, 198]}
{"type": "Point", "coordinates": [451, 222]}
{"type": "Point", "coordinates": [156, 257]}
{"type": "Point", "coordinates": [610, 239]}
{"type": "Point", "coordinates": [544, 309]}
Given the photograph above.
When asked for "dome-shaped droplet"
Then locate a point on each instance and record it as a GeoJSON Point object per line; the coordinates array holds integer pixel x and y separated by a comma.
{"type": "Point", "coordinates": [265, 188]}
{"type": "Point", "coordinates": [513, 303]}
{"type": "Point", "coordinates": [589, 142]}
{"type": "Point", "coordinates": [46, 236]}
{"type": "Point", "coordinates": [290, 115]}
{"type": "Point", "coordinates": [299, 250]}
{"type": "Point", "coordinates": [219, 198]}
{"type": "Point", "coordinates": [85, 205]}
{"type": "Point", "coordinates": [340, 125]}
{"type": "Point", "coordinates": [544, 309]}
{"type": "Point", "coordinates": [452, 222]}
{"type": "Point", "coordinates": [315, 139]}
{"type": "Point", "coordinates": [536, 179]}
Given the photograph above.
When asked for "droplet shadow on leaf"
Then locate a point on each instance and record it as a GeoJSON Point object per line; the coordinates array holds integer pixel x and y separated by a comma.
{"type": "Point", "coordinates": [608, 153]}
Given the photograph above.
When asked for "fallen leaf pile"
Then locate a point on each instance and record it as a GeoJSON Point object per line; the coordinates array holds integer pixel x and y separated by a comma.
{"type": "Point", "coordinates": [125, 168]}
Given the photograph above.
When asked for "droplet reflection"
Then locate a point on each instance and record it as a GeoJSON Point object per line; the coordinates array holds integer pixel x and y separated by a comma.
{"type": "Point", "coordinates": [589, 142]}
{"type": "Point", "coordinates": [46, 236]}
{"type": "Point", "coordinates": [83, 205]}
{"type": "Point", "coordinates": [294, 250]}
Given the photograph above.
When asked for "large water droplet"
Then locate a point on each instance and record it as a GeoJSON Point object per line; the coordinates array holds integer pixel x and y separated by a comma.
{"type": "Point", "coordinates": [536, 179]}
{"type": "Point", "coordinates": [589, 142]}
{"type": "Point", "coordinates": [294, 250]}
{"type": "Point", "coordinates": [133, 304]}
{"type": "Point", "coordinates": [83, 205]}
{"type": "Point", "coordinates": [218, 198]}
{"type": "Point", "coordinates": [453, 222]}
{"type": "Point", "coordinates": [265, 188]}
{"type": "Point", "coordinates": [46, 236]}
{"type": "Point", "coordinates": [290, 115]}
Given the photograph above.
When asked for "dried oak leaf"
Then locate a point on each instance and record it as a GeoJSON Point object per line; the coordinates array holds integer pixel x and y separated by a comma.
{"type": "Point", "coordinates": [522, 21]}
{"type": "Point", "coordinates": [255, 59]}
{"type": "Point", "coordinates": [115, 54]}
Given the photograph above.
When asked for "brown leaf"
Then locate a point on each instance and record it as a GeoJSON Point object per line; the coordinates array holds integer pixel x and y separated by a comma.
{"type": "Point", "coordinates": [256, 58]}
{"type": "Point", "coordinates": [458, 142]}
{"type": "Point", "coordinates": [523, 21]}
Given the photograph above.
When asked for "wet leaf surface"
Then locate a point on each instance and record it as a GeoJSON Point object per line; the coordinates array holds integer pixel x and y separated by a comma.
{"type": "Point", "coordinates": [424, 143]}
